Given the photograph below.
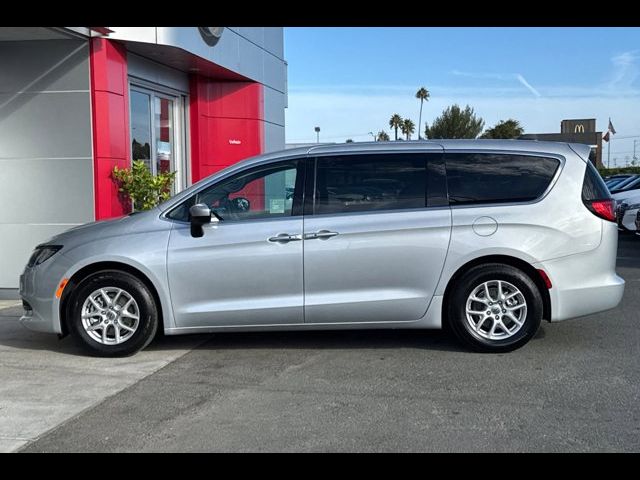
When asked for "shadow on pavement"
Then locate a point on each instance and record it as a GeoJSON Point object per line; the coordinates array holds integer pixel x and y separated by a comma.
{"type": "Point", "coordinates": [628, 250]}
{"type": "Point", "coordinates": [336, 340]}
{"type": "Point", "coordinates": [14, 335]}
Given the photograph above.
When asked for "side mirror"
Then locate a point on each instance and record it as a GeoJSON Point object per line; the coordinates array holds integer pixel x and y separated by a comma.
{"type": "Point", "coordinates": [200, 215]}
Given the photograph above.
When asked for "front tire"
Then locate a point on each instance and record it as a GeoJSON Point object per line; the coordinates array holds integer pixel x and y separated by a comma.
{"type": "Point", "coordinates": [495, 308]}
{"type": "Point", "coordinates": [112, 314]}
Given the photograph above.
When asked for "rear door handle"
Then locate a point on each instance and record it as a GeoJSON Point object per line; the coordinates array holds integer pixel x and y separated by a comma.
{"type": "Point", "coordinates": [285, 238]}
{"type": "Point", "coordinates": [320, 234]}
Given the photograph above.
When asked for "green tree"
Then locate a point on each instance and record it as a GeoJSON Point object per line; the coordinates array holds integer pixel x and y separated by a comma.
{"type": "Point", "coordinates": [382, 136]}
{"type": "Point", "coordinates": [456, 123]}
{"type": "Point", "coordinates": [395, 122]}
{"type": "Point", "coordinates": [423, 95]}
{"type": "Point", "coordinates": [349, 140]}
{"type": "Point", "coordinates": [408, 127]}
{"type": "Point", "coordinates": [504, 129]}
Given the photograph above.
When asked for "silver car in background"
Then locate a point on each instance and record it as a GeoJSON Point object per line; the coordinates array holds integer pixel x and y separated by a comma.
{"type": "Point", "coordinates": [488, 237]}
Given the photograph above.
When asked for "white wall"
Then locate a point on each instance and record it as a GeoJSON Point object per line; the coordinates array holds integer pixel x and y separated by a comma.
{"type": "Point", "coordinates": [46, 166]}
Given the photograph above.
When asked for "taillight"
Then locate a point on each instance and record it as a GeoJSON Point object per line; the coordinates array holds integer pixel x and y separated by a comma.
{"type": "Point", "coordinates": [602, 208]}
{"type": "Point", "coordinates": [596, 196]}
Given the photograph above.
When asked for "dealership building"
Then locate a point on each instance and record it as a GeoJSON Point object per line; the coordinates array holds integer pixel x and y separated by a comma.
{"type": "Point", "coordinates": [77, 101]}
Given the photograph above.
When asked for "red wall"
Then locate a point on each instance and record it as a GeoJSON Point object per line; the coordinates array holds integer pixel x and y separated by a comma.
{"type": "Point", "coordinates": [110, 111]}
{"type": "Point", "coordinates": [226, 122]}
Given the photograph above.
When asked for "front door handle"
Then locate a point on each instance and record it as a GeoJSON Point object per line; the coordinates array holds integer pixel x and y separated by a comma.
{"type": "Point", "coordinates": [321, 234]}
{"type": "Point", "coordinates": [285, 238]}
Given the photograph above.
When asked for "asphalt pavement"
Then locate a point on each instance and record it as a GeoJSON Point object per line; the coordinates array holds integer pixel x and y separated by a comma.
{"type": "Point", "coordinates": [45, 381]}
{"type": "Point", "coordinates": [574, 388]}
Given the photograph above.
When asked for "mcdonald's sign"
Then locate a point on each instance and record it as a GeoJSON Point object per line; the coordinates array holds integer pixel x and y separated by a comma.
{"type": "Point", "coordinates": [579, 128]}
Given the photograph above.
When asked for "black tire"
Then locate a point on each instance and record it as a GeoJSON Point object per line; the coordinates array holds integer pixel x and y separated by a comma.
{"type": "Point", "coordinates": [464, 286]}
{"type": "Point", "coordinates": [148, 313]}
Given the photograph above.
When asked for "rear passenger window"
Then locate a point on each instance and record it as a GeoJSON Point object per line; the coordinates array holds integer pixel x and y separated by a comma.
{"type": "Point", "coordinates": [495, 178]}
{"type": "Point", "coordinates": [360, 183]}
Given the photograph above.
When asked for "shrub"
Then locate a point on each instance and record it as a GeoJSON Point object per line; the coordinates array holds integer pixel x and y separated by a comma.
{"type": "Point", "coordinates": [141, 187]}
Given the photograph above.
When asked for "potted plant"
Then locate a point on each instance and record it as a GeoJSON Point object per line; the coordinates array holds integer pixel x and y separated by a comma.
{"type": "Point", "coordinates": [141, 187]}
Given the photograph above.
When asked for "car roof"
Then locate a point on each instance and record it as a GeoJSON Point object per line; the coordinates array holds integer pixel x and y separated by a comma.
{"type": "Point", "coordinates": [521, 146]}
{"type": "Point", "coordinates": [446, 144]}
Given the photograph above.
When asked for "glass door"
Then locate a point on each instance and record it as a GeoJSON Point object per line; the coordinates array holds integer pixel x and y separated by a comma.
{"type": "Point", "coordinates": [140, 104]}
{"type": "Point", "coordinates": [157, 136]}
{"type": "Point", "coordinates": [164, 134]}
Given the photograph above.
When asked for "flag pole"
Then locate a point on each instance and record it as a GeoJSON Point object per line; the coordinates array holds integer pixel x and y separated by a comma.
{"type": "Point", "coordinates": [609, 147]}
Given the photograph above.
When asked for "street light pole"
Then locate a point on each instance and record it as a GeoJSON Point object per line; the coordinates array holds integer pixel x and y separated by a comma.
{"type": "Point", "coordinates": [317, 129]}
{"type": "Point", "coordinates": [373, 135]}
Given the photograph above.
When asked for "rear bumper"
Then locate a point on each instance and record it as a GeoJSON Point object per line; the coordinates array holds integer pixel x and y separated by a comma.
{"type": "Point", "coordinates": [585, 283]}
{"type": "Point", "coordinates": [586, 300]}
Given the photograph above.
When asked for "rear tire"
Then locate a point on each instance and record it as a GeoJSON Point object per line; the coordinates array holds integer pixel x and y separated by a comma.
{"type": "Point", "coordinates": [494, 308]}
{"type": "Point", "coordinates": [112, 314]}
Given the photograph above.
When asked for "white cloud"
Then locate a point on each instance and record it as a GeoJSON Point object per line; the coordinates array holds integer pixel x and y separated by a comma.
{"type": "Point", "coordinates": [498, 76]}
{"type": "Point", "coordinates": [625, 71]}
{"type": "Point", "coordinates": [524, 82]}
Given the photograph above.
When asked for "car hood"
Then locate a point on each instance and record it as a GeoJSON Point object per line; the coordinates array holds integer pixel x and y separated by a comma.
{"type": "Point", "coordinates": [137, 222]}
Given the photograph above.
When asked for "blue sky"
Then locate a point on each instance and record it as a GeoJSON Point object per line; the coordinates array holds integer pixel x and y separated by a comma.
{"type": "Point", "coordinates": [349, 80]}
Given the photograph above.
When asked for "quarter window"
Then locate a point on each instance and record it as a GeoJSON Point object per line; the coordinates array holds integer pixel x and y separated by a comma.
{"type": "Point", "coordinates": [497, 178]}
{"type": "Point", "coordinates": [360, 183]}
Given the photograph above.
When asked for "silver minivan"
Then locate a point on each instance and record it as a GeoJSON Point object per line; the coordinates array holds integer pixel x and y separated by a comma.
{"type": "Point", "coordinates": [487, 237]}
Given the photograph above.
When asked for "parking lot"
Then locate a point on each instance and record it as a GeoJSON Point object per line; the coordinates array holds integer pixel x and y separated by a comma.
{"type": "Point", "coordinates": [574, 387]}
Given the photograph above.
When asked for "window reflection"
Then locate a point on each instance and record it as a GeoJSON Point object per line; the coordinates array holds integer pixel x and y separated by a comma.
{"type": "Point", "coordinates": [141, 127]}
{"type": "Point", "coordinates": [164, 134]}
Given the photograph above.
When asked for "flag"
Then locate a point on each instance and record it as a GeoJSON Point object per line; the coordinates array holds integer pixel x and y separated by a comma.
{"type": "Point", "coordinates": [610, 131]}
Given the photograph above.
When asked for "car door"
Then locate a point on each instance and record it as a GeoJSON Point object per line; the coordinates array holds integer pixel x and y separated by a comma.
{"type": "Point", "coordinates": [376, 230]}
{"type": "Point", "coordinates": [247, 268]}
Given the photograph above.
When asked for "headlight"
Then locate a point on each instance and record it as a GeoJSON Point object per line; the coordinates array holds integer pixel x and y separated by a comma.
{"type": "Point", "coordinates": [42, 253]}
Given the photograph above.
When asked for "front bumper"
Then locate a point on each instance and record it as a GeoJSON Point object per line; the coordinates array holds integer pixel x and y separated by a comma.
{"type": "Point", "coordinates": [38, 286]}
{"type": "Point", "coordinates": [33, 320]}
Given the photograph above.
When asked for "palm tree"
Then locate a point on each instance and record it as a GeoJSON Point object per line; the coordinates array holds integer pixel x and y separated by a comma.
{"type": "Point", "coordinates": [383, 136]}
{"type": "Point", "coordinates": [408, 127]}
{"type": "Point", "coordinates": [395, 122]}
{"type": "Point", "coordinates": [423, 95]}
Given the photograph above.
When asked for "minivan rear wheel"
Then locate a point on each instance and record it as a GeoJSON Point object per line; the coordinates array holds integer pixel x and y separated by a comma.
{"type": "Point", "coordinates": [495, 308]}
{"type": "Point", "coordinates": [112, 314]}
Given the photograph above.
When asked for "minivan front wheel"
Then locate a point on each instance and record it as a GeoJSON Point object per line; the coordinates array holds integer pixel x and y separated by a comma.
{"type": "Point", "coordinates": [495, 308]}
{"type": "Point", "coordinates": [113, 313]}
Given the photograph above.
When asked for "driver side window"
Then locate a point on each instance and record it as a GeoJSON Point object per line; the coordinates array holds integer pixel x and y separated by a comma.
{"type": "Point", "coordinates": [259, 193]}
